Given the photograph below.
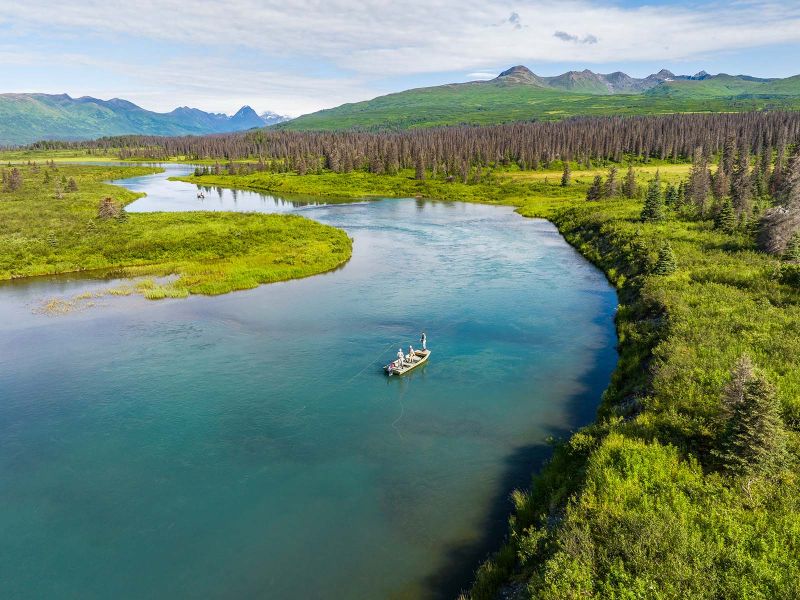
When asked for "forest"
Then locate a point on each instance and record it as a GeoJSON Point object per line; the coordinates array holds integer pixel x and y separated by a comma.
{"type": "Point", "coordinates": [454, 150]}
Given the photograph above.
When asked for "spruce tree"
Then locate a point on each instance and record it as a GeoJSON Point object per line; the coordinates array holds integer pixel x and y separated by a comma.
{"type": "Point", "coordinates": [611, 187]}
{"type": "Point", "coordinates": [671, 196]}
{"type": "Point", "coordinates": [653, 209]}
{"type": "Point", "coordinates": [629, 184]}
{"type": "Point", "coordinates": [753, 438]}
{"type": "Point", "coordinates": [419, 167]}
{"type": "Point", "coordinates": [726, 218]}
{"type": "Point", "coordinates": [595, 191]}
{"type": "Point", "coordinates": [780, 223]}
{"type": "Point", "coordinates": [766, 161]}
{"type": "Point", "coordinates": [741, 184]}
{"type": "Point", "coordinates": [680, 198]}
{"type": "Point", "coordinates": [667, 263]}
{"type": "Point", "coordinates": [793, 248]}
{"type": "Point", "coordinates": [719, 184]}
{"type": "Point", "coordinates": [699, 181]}
{"type": "Point", "coordinates": [776, 179]}
{"type": "Point", "coordinates": [566, 176]}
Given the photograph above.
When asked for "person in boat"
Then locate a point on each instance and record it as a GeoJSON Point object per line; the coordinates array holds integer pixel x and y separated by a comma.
{"type": "Point", "coordinates": [423, 339]}
{"type": "Point", "coordinates": [399, 358]}
{"type": "Point", "coordinates": [411, 354]}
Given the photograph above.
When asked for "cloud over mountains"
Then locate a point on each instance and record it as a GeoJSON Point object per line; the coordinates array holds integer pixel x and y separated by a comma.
{"type": "Point", "coordinates": [302, 55]}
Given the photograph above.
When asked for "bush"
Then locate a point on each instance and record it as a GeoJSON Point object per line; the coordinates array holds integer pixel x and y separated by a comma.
{"type": "Point", "coordinates": [108, 209]}
{"type": "Point", "coordinates": [790, 274]}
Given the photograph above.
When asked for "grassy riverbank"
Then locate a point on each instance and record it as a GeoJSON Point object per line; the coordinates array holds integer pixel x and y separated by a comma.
{"type": "Point", "coordinates": [45, 229]}
{"type": "Point", "coordinates": [637, 505]}
{"type": "Point", "coordinates": [509, 186]}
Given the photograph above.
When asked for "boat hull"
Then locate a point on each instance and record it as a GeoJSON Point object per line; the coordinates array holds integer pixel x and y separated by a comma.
{"type": "Point", "coordinates": [422, 358]}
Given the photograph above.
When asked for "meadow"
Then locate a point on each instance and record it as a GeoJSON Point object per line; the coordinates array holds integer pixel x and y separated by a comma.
{"type": "Point", "coordinates": [52, 224]}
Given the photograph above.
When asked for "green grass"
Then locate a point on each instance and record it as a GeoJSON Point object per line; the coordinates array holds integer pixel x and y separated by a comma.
{"type": "Point", "coordinates": [503, 186]}
{"type": "Point", "coordinates": [211, 253]}
{"type": "Point", "coordinates": [489, 103]}
{"type": "Point", "coordinates": [633, 505]}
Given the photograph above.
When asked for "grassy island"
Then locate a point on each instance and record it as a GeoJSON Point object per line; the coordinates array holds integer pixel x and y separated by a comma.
{"type": "Point", "coordinates": [51, 221]}
{"type": "Point", "coordinates": [641, 504]}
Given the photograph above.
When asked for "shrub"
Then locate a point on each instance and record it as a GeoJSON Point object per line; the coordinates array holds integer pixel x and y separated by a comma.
{"type": "Point", "coordinates": [108, 209]}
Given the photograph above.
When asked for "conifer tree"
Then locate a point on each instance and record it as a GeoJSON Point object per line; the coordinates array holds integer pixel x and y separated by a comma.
{"type": "Point", "coordinates": [595, 191]}
{"type": "Point", "coordinates": [780, 223]}
{"type": "Point", "coordinates": [671, 196]}
{"type": "Point", "coordinates": [699, 181]}
{"type": "Point", "coordinates": [629, 188]}
{"type": "Point", "coordinates": [14, 180]}
{"type": "Point", "coordinates": [667, 263]}
{"type": "Point", "coordinates": [419, 167]}
{"type": "Point", "coordinates": [728, 159]}
{"type": "Point", "coordinates": [611, 188]}
{"type": "Point", "coordinates": [766, 162]}
{"type": "Point", "coordinates": [720, 181]}
{"type": "Point", "coordinates": [680, 198]}
{"type": "Point", "coordinates": [793, 248]}
{"type": "Point", "coordinates": [753, 438]}
{"type": "Point", "coordinates": [726, 218]}
{"type": "Point", "coordinates": [741, 190]}
{"type": "Point", "coordinates": [776, 180]}
{"type": "Point", "coordinates": [653, 209]}
{"type": "Point", "coordinates": [566, 176]}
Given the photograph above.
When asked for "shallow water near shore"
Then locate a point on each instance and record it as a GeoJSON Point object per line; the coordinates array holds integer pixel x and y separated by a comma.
{"type": "Point", "coordinates": [249, 445]}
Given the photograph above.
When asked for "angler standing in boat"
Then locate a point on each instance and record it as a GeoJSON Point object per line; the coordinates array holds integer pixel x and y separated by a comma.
{"type": "Point", "coordinates": [423, 339]}
{"type": "Point", "coordinates": [400, 357]}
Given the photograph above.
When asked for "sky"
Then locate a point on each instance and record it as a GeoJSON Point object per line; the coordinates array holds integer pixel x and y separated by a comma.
{"type": "Point", "coordinates": [300, 56]}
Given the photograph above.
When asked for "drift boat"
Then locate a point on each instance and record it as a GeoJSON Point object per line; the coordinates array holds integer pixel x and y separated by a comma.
{"type": "Point", "coordinates": [420, 358]}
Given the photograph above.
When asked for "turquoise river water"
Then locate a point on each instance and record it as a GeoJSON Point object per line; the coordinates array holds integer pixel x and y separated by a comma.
{"type": "Point", "coordinates": [250, 446]}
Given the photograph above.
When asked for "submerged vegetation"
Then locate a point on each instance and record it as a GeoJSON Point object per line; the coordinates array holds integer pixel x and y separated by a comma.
{"type": "Point", "coordinates": [64, 218]}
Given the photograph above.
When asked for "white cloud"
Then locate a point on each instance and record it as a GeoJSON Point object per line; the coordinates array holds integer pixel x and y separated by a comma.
{"type": "Point", "coordinates": [356, 44]}
{"type": "Point", "coordinates": [481, 75]}
{"type": "Point", "coordinates": [359, 35]}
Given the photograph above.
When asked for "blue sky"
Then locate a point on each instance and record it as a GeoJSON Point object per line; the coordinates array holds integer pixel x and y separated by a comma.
{"type": "Point", "coordinates": [305, 55]}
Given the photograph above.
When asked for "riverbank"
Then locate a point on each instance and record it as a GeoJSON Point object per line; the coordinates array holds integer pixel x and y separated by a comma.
{"type": "Point", "coordinates": [51, 224]}
{"type": "Point", "coordinates": [636, 504]}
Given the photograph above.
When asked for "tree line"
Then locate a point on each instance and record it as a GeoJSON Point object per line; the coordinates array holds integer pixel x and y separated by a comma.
{"type": "Point", "coordinates": [458, 151]}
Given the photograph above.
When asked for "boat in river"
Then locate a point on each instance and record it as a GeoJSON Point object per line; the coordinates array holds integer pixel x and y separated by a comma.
{"type": "Point", "coordinates": [420, 358]}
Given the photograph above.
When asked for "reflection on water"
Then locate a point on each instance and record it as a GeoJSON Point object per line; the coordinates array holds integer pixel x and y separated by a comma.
{"type": "Point", "coordinates": [248, 445]}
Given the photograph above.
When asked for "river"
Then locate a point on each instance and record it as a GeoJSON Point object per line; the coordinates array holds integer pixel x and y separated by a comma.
{"type": "Point", "coordinates": [249, 445]}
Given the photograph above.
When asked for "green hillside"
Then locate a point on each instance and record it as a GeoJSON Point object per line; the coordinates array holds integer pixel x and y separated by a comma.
{"type": "Point", "coordinates": [728, 86]}
{"type": "Point", "coordinates": [26, 118]}
{"type": "Point", "coordinates": [518, 98]}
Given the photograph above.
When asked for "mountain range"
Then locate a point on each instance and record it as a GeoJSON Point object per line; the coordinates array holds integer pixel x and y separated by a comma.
{"type": "Point", "coordinates": [517, 94]}
{"type": "Point", "coordinates": [520, 94]}
{"type": "Point", "coordinates": [26, 118]}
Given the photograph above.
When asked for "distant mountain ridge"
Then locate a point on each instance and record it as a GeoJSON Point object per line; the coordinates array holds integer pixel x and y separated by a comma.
{"type": "Point", "coordinates": [611, 83]}
{"type": "Point", "coordinates": [26, 118]}
{"type": "Point", "coordinates": [519, 94]}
